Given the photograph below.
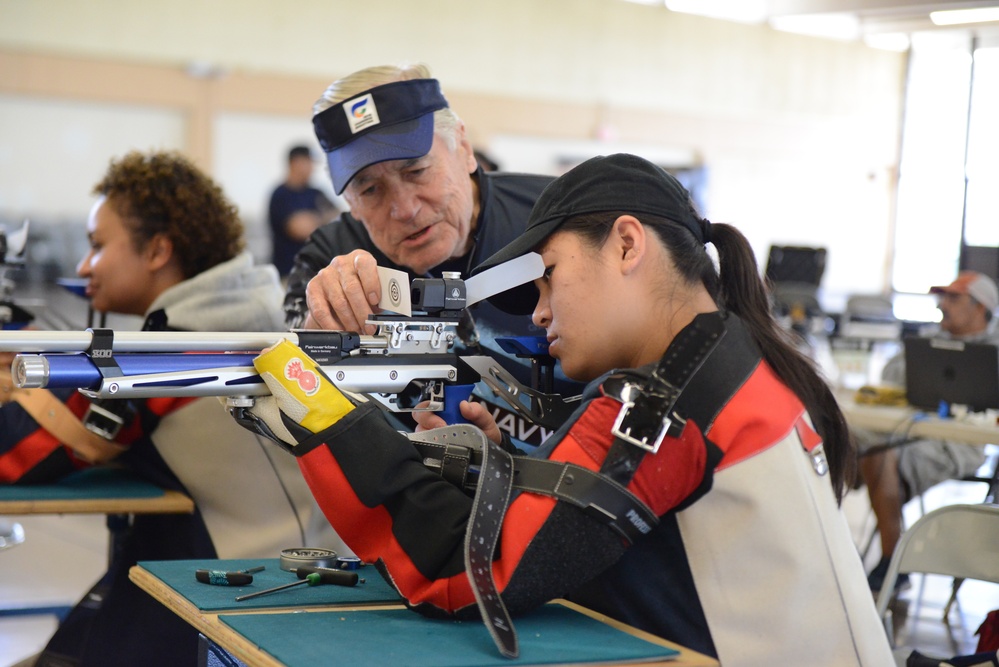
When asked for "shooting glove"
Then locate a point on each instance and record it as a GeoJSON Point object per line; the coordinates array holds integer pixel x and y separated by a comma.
{"type": "Point", "coordinates": [302, 402]}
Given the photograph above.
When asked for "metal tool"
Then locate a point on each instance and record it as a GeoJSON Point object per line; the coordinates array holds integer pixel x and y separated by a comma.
{"type": "Point", "coordinates": [342, 577]}
{"type": "Point", "coordinates": [348, 563]}
{"type": "Point", "coordinates": [227, 578]}
{"type": "Point", "coordinates": [295, 558]}
{"type": "Point", "coordinates": [316, 577]}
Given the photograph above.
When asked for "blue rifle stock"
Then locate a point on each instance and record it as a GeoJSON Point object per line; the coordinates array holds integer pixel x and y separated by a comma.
{"type": "Point", "coordinates": [143, 365]}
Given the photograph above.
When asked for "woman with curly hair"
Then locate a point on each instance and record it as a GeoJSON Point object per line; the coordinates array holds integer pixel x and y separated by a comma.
{"type": "Point", "coordinates": [159, 222]}
{"type": "Point", "coordinates": [167, 245]}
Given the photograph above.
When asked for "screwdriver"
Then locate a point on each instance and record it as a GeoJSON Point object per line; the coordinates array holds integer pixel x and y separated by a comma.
{"type": "Point", "coordinates": [330, 575]}
{"type": "Point", "coordinates": [316, 577]}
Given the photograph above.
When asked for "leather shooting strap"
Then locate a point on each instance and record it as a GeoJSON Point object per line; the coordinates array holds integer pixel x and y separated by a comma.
{"type": "Point", "coordinates": [457, 462]}
{"type": "Point", "coordinates": [485, 522]}
{"type": "Point", "coordinates": [55, 417]}
{"type": "Point", "coordinates": [593, 492]}
{"type": "Point", "coordinates": [647, 414]}
{"type": "Point", "coordinates": [444, 447]}
{"type": "Point", "coordinates": [646, 417]}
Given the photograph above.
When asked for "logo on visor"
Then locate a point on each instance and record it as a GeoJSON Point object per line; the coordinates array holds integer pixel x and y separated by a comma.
{"type": "Point", "coordinates": [361, 113]}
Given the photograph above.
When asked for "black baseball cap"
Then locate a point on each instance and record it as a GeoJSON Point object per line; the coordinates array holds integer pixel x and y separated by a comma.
{"type": "Point", "coordinates": [394, 121]}
{"type": "Point", "coordinates": [619, 182]}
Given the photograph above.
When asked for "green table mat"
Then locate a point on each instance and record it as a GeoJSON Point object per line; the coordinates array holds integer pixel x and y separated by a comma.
{"type": "Point", "coordinates": [179, 575]}
{"type": "Point", "coordinates": [86, 485]}
{"type": "Point", "coordinates": [553, 634]}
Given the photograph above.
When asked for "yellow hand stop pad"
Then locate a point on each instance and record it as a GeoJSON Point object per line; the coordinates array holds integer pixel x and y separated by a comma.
{"type": "Point", "coordinates": [302, 393]}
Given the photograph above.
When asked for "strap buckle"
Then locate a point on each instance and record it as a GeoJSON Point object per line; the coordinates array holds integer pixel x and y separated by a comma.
{"type": "Point", "coordinates": [645, 420]}
{"type": "Point", "coordinates": [107, 417]}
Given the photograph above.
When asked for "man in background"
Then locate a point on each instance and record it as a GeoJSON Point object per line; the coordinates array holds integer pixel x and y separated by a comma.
{"type": "Point", "coordinates": [296, 210]}
{"type": "Point", "coordinates": [895, 476]}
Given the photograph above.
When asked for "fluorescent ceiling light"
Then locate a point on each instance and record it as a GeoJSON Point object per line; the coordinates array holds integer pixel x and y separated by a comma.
{"type": "Point", "coordinates": [743, 11]}
{"type": "Point", "coordinates": [833, 26]}
{"type": "Point", "coordinates": [959, 16]}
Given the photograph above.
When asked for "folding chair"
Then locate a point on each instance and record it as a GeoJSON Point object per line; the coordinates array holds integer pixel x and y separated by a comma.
{"type": "Point", "coordinates": [960, 541]}
{"type": "Point", "coordinates": [989, 474]}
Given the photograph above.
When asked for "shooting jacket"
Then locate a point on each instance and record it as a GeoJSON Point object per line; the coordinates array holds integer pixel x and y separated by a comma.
{"type": "Point", "coordinates": [751, 560]}
{"type": "Point", "coordinates": [251, 501]}
{"type": "Point", "coordinates": [505, 202]}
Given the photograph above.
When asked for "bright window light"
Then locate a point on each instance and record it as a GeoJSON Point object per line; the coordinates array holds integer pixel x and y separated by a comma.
{"type": "Point", "coordinates": [931, 172]}
{"type": "Point", "coordinates": [833, 26]}
{"type": "Point", "coordinates": [982, 202]}
{"type": "Point", "coordinates": [888, 41]}
{"type": "Point", "coordinates": [743, 11]}
{"type": "Point", "coordinates": [959, 16]}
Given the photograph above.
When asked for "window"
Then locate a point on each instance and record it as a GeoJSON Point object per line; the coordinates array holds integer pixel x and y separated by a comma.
{"type": "Point", "coordinates": [981, 222]}
{"type": "Point", "coordinates": [931, 171]}
{"type": "Point", "coordinates": [947, 198]}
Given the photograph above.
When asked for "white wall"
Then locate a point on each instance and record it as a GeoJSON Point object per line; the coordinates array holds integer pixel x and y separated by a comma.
{"type": "Point", "coordinates": [798, 135]}
{"type": "Point", "coordinates": [52, 152]}
{"type": "Point", "coordinates": [240, 142]}
{"type": "Point", "coordinates": [609, 51]}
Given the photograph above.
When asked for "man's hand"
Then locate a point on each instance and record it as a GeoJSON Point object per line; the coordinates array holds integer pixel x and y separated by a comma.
{"type": "Point", "coordinates": [344, 294]}
{"type": "Point", "coordinates": [475, 413]}
{"type": "Point", "coordinates": [301, 224]}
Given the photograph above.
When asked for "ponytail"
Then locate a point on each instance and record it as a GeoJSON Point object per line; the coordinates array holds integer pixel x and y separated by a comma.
{"type": "Point", "coordinates": [738, 288]}
{"type": "Point", "coordinates": [742, 291]}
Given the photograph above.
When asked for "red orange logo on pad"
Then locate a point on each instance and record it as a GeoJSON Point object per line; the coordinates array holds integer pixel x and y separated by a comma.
{"type": "Point", "coordinates": [307, 380]}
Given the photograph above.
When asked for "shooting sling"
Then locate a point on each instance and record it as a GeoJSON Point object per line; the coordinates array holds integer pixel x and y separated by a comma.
{"type": "Point", "coordinates": [647, 416]}
{"type": "Point", "coordinates": [55, 417]}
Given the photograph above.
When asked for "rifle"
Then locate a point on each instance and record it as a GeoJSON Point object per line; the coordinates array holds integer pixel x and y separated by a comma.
{"type": "Point", "coordinates": [409, 364]}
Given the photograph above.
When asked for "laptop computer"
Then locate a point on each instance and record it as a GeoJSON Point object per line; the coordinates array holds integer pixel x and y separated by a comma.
{"type": "Point", "coordinates": [951, 371]}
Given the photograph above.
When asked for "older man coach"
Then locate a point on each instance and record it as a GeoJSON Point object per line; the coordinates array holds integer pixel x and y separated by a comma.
{"type": "Point", "coordinates": [418, 203]}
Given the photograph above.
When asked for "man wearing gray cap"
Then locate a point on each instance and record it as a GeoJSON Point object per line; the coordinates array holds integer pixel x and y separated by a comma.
{"type": "Point", "coordinates": [419, 203]}
{"type": "Point", "coordinates": [895, 476]}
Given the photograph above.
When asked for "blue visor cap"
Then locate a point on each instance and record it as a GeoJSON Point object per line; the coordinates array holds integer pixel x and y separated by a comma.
{"type": "Point", "coordinates": [394, 121]}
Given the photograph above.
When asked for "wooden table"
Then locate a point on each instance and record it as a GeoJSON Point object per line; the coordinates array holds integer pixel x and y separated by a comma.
{"type": "Point", "coordinates": [115, 493]}
{"type": "Point", "coordinates": [245, 650]}
{"type": "Point", "coordinates": [171, 502]}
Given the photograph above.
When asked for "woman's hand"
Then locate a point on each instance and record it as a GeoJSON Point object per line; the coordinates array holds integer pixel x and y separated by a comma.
{"type": "Point", "coordinates": [475, 413]}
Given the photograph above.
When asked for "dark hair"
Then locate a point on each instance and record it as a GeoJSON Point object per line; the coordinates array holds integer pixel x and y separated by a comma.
{"type": "Point", "coordinates": [738, 288]}
{"type": "Point", "coordinates": [299, 151]}
{"type": "Point", "coordinates": [164, 193]}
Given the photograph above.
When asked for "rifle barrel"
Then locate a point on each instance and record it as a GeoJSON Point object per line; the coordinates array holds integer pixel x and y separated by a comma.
{"type": "Point", "coordinates": [144, 341]}
{"type": "Point", "coordinates": [78, 371]}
